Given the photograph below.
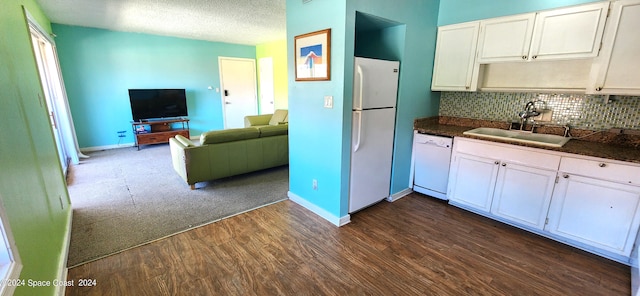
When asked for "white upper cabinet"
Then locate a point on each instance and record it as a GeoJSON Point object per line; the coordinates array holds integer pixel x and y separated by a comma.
{"type": "Point", "coordinates": [615, 70]}
{"type": "Point", "coordinates": [454, 67]}
{"type": "Point", "coordinates": [573, 32]}
{"type": "Point", "coordinates": [505, 38]}
{"type": "Point", "coordinates": [566, 33]}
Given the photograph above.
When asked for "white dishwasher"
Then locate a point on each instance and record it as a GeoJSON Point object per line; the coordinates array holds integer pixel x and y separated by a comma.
{"type": "Point", "coordinates": [432, 155]}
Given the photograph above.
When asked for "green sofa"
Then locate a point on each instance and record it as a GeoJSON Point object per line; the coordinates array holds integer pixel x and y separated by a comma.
{"type": "Point", "coordinates": [223, 153]}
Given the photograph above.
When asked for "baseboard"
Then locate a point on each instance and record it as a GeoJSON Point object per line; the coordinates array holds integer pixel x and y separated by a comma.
{"type": "Point", "coordinates": [338, 221]}
{"type": "Point", "coordinates": [107, 147]}
{"type": "Point", "coordinates": [399, 195]}
{"type": "Point", "coordinates": [62, 265]}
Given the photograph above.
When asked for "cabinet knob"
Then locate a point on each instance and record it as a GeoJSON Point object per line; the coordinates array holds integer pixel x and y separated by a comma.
{"type": "Point", "coordinates": [602, 164]}
{"type": "Point", "coordinates": [598, 88]}
{"type": "Point", "coordinates": [534, 57]}
{"type": "Point", "coordinates": [496, 162]}
{"type": "Point", "coordinates": [524, 57]}
{"type": "Point", "coordinates": [566, 176]}
{"type": "Point", "coordinates": [504, 164]}
{"type": "Point", "coordinates": [467, 87]}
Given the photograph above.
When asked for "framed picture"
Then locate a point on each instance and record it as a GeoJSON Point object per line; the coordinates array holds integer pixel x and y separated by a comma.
{"type": "Point", "coordinates": [313, 56]}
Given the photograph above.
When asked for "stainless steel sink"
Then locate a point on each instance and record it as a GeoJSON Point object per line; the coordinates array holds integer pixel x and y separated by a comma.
{"type": "Point", "coordinates": [519, 136]}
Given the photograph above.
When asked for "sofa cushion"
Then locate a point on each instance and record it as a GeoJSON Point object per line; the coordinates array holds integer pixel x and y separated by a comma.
{"type": "Point", "coordinates": [273, 130]}
{"type": "Point", "coordinates": [257, 120]}
{"type": "Point", "coordinates": [229, 135]}
{"type": "Point", "coordinates": [278, 116]}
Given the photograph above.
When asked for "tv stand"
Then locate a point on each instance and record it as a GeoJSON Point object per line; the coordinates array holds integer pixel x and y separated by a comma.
{"type": "Point", "coordinates": [159, 131]}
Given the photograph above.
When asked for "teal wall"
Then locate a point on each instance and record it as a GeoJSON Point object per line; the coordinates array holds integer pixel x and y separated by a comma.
{"type": "Point", "coordinates": [32, 186]}
{"type": "Point", "coordinates": [385, 44]}
{"type": "Point", "coordinates": [316, 133]}
{"type": "Point", "coordinates": [99, 66]}
{"type": "Point", "coordinates": [320, 138]}
{"type": "Point", "coordinates": [459, 11]}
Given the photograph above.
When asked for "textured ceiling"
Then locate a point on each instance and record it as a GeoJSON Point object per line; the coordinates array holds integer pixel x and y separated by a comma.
{"type": "Point", "coordinates": [249, 22]}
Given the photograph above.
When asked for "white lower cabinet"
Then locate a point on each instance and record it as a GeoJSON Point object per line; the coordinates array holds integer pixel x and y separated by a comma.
{"type": "Point", "coordinates": [596, 212]}
{"type": "Point", "coordinates": [590, 203]}
{"type": "Point", "coordinates": [472, 181]}
{"type": "Point", "coordinates": [523, 194]}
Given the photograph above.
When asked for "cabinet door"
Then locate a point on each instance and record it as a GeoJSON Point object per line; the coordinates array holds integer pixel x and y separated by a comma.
{"type": "Point", "coordinates": [472, 181]}
{"type": "Point", "coordinates": [598, 213]}
{"type": "Point", "coordinates": [523, 194]}
{"type": "Point", "coordinates": [505, 38]}
{"type": "Point", "coordinates": [620, 49]}
{"type": "Point", "coordinates": [454, 66]}
{"type": "Point", "coordinates": [573, 32]}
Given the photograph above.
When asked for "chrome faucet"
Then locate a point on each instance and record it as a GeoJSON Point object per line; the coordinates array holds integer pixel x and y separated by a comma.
{"type": "Point", "coordinates": [529, 111]}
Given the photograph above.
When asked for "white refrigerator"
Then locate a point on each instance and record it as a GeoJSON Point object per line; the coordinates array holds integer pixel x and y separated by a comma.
{"type": "Point", "coordinates": [375, 87]}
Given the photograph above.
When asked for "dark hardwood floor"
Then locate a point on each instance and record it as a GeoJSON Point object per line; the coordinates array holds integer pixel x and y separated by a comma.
{"type": "Point", "coordinates": [414, 246]}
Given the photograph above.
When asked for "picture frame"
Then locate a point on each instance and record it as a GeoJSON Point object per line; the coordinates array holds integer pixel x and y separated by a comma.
{"type": "Point", "coordinates": [312, 56]}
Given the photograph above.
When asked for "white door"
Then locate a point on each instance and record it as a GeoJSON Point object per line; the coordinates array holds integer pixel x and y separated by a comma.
{"type": "Point", "coordinates": [472, 181]}
{"type": "Point", "coordinates": [505, 38]}
{"type": "Point", "coordinates": [371, 157]}
{"type": "Point", "coordinates": [523, 194]}
{"type": "Point", "coordinates": [454, 66]}
{"type": "Point", "coordinates": [238, 82]}
{"type": "Point", "coordinates": [51, 81]}
{"type": "Point", "coordinates": [573, 32]}
{"type": "Point", "coordinates": [595, 212]}
{"type": "Point", "coordinates": [619, 52]}
{"type": "Point", "coordinates": [266, 85]}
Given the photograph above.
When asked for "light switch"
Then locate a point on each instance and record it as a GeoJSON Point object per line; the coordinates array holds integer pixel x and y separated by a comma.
{"type": "Point", "coordinates": [328, 102]}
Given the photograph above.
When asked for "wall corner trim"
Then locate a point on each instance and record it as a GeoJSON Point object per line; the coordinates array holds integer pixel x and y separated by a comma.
{"type": "Point", "coordinates": [338, 221]}
{"type": "Point", "coordinates": [399, 195]}
{"type": "Point", "coordinates": [62, 265]}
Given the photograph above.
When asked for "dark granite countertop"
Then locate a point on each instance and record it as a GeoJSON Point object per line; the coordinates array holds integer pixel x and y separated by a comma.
{"type": "Point", "coordinates": [603, 146]}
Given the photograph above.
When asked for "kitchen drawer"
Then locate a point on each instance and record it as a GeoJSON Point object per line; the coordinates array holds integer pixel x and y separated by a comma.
{"type": "Point", "coordinates": [514, 154]}
{"type": "Point", "coordinates": [601, 169]}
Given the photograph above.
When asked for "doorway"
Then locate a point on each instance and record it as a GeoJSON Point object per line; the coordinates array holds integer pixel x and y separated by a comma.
{"type": "Point", "coordinates": [238, 84]}
{"type": "Point", "coordinates": [55, 96]}
{"type": "Point", "coordinates": [265, 66]}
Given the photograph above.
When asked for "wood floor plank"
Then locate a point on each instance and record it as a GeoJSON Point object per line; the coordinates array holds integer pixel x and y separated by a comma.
{"type": "Point", "coordinates": [414, 246]}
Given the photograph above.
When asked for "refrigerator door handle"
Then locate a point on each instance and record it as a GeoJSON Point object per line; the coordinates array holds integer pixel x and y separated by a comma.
{"type": "Point", "coordinates": [356, 146]}
{"type": "Point", "coordinates": [360, 75]}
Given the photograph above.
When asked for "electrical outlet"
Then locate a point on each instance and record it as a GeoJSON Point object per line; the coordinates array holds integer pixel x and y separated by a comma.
{"type": "Point", "coordinates": [545, 115]}
{"type": "Point", "coordinates": [315, 184]}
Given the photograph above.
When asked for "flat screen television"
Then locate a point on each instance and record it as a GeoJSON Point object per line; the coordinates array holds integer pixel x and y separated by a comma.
{"type": "Point", "coordinates": [157, 103]}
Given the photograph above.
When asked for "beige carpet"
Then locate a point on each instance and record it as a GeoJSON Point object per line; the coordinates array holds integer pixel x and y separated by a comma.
{"type": "Point", "coordinates": [123, 198]}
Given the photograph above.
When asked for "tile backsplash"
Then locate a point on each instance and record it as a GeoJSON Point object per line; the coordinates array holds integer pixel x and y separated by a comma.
{"type": "Point", "coordinates": [579, 111]}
